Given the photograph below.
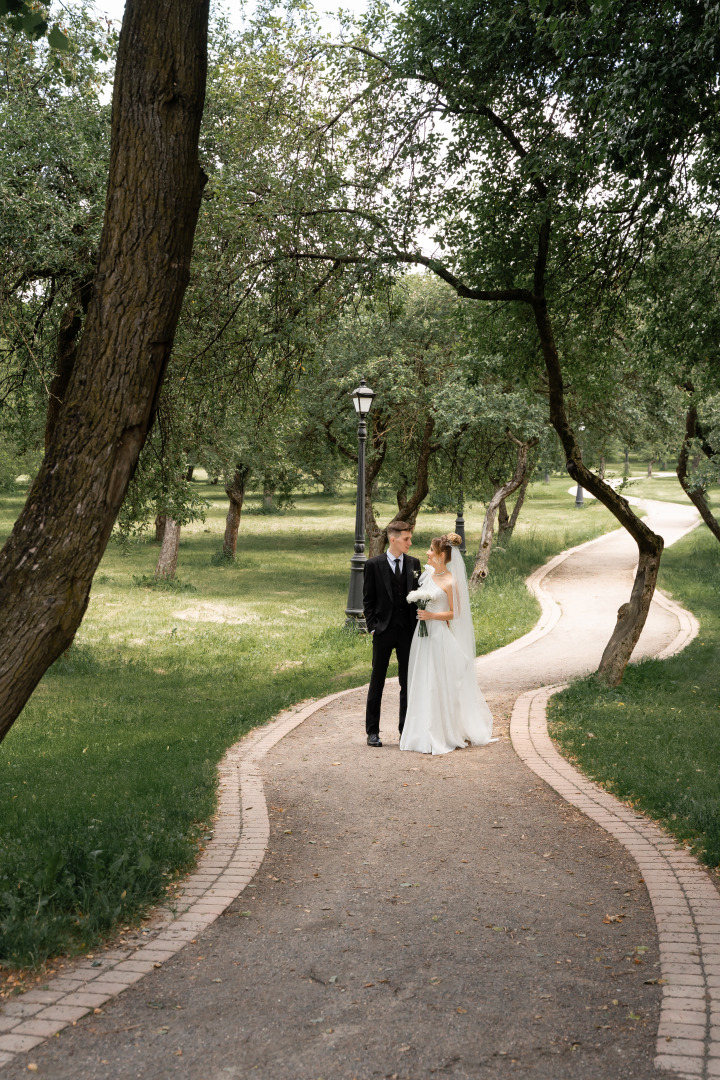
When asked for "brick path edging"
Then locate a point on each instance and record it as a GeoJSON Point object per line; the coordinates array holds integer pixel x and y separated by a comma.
{"type": "Point", "coordinates": [686, 903]}
{"type": "Point", "coordinates": [241, 834]}
{"type": "Point", "coordinates": [227, 865]}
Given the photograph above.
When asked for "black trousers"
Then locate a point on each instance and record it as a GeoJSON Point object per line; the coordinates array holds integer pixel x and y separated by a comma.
{"type": "Point", "coordinates": [399, 638]}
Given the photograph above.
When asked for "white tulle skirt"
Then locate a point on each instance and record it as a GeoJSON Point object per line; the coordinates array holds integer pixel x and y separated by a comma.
{"type": "Point", "coordinates": [445, 710]}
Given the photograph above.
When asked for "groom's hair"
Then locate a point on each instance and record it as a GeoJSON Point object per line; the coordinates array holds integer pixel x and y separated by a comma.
{"type": "Point", "coordinates": [397, 527]}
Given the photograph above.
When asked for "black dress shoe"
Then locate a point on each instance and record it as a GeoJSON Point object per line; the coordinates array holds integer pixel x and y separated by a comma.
{"type": "Point", "coordinates": [373, 740]}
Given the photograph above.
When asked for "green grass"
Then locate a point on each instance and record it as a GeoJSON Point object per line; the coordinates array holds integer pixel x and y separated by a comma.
{"type": "Point", "coordinates": [662, 488]}
{"type": "Point", "coordinates": [655, 740]}
{"type": "Point", "coordinates": [107, 780]}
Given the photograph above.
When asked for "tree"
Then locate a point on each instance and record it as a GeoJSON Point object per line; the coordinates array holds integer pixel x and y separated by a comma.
{"type": "Point", "coordinates": [53, 175]}
{"type": "Point", "coordinates": [519, 477]}
{"type": "Point", "coordinates": [404, 341]}
{"type": "Point", "coordinates": [524, 208]}
{"type": "Point", "coordinates": [153, 197]}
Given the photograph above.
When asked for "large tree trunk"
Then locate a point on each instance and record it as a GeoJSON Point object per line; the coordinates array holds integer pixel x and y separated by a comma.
{"type": "Point", "coordinates": [235, 490]}
{"type": "Point", "coordinates": [189, 473]}
{"type": "Point", "coordinates": [631, 617]}
{"type": "Point", "coordinates": [168, 557]}
{"type": "Point", "coordinates": [507, 523]}
{"type": "Point", "coordinates": [154, 188]}
{"type": "Point", "coordinates": [693, 491]}
{"type": "Point", "coordinates": [160, 523]}
{"type": "Point", "coordinates": [482, 559]}
{"type": "Point", "coordinates": [68, 336]}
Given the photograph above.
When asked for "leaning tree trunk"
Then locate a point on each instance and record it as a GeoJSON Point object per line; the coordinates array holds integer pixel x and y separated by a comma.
{"type": "Point", "coordinates": [507, 523]}
{"type": "Point", "coordinates": [153, 197]}
{"type": "Point", "coordinates": [71, 322]}
{"type": "Point", "coordinates": [631, 616]}
{"type": "Point", "coordinates": [168, 557]}
{"type": "Point", "coordinates": [695, 492]}
{"type": "Point", "coordinates": [235, 491]}
{"type": "Point", "coordinates": [482, 559]}
{"type": "Point", "coordinates": [160, 522]}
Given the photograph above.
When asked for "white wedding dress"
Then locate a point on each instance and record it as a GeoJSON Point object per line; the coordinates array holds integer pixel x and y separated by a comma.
{"type": "Point", "coordinates": [446, 709]}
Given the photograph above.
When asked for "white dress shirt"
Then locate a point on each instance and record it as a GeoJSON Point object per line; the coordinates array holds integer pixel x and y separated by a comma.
{"type": "Point", "coordinates": [391, 560]}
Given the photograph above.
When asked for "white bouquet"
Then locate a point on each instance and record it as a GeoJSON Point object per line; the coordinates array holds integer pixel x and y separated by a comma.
{"type": "Point", "coordinates": [422, 598]}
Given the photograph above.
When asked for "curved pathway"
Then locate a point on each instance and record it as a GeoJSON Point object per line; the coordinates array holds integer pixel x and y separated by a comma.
{"type": "Point", "coordinates": [411, 916]}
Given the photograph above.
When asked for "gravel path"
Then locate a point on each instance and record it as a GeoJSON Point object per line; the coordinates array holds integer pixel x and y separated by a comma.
{"type": "Point", "coordinates": [415, 917]}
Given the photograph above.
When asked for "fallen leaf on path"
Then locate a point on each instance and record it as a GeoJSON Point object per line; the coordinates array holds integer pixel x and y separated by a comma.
{"type": "Point", "coordinates": [613, 918]}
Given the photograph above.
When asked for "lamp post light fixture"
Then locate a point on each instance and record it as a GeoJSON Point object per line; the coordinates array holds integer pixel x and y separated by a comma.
{"type": "Point", "coordinates": [362, 400]}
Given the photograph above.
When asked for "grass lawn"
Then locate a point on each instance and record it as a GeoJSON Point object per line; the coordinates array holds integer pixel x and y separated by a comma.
{"type": "Point", "coordinates": [662, 488]}
{"type": "Point", "coordinates": [107, 780]}
{"type": "Point", "coordinates": [655, 740]}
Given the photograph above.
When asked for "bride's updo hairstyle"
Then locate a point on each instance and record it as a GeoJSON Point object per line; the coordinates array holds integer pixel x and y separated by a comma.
{"type": "Point", "coordinates": [443, 545]}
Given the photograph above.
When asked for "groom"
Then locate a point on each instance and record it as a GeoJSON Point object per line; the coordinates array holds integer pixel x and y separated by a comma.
{"type": "Point", "coordinates": [390, 619]}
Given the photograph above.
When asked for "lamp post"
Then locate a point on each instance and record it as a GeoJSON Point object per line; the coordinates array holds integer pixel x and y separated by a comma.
{"type": "Point", "coordinates": [579, 495]}
{"type": "Point", "coordinates": [362, 400]}
{"type": "Point", "coordinates": [460, 520]}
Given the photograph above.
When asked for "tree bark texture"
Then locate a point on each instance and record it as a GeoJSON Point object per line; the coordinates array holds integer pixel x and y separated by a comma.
{"type": "Point", "coordinates": [507, 522]}
{"type": "Point", "coordinates": [235, 491]}
{"type": "Point", "coordinates": [693, 491]}
{"type": "Point", "coordinates": [631, 616]}
{"type": "Point", "coordinates": [68, 336]}
{"type": "Point", "coordinates": [482, 559]}
{"type": "Point", "coordinates": [160, 522]}
{"type": "Point", "coordinates": [168, 557]}
{"type": "Point", "coordinates": [154, 188]}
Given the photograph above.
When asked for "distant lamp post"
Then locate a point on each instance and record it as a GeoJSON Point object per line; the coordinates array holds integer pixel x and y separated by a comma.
{"type": "Point", "coordinates": [362, 400]}
{"type": "Point", "coordinates": [579, 493]}
{"type": "Point", "coordinates": [460, 529]}
{"type": "Point", "coordinates": [460, 520]}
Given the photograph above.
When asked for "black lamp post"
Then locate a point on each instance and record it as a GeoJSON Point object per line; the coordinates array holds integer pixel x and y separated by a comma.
{"type": "Point", "coordinates": [579, 494]}
{"type": "Point", "coordinates": [460, 520]}
{"type": "Point", "coordinates": [362, 400]}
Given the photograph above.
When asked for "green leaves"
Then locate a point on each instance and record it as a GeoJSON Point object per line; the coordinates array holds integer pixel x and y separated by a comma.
{"type": "Point", "coordinates": [58, 40]}
{"type": "Point", "coordinates": [25, 17]}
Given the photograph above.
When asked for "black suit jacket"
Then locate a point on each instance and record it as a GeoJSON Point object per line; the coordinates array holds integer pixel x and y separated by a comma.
{"type": "Point", "coordinates": [378, 591]}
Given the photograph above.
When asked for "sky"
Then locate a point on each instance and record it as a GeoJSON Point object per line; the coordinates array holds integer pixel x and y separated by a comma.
{"type": "Point", "coordinates": [114, 8]}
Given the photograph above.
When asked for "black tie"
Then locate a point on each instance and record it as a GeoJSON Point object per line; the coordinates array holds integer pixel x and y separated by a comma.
{"type": "Point", "coordinates": [398, 575]}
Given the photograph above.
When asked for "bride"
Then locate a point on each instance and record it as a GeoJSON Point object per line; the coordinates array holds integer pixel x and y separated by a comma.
{"type": "Point", "coordinates": [445, 707]}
